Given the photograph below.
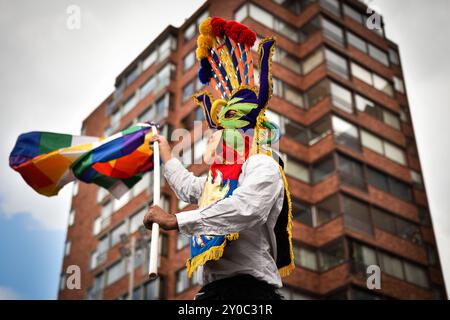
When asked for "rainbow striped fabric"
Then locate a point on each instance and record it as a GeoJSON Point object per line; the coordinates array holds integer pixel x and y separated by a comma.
{"type": "Point", "coordinates": [48, 161]}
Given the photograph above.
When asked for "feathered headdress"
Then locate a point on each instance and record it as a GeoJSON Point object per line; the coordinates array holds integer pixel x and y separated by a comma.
{"type": "Point", "coordinates": [226, 62]}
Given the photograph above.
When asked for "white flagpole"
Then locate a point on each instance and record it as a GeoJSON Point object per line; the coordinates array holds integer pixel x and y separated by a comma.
{"type": "Point", "coordinates": [154, 244]}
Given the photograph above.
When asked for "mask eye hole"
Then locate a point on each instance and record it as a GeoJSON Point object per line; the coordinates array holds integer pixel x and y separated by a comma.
{"type": "Point", "coordinates": [230, 114]}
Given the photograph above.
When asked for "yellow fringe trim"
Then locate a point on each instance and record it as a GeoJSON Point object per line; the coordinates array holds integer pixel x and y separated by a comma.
{"type": "Point", "coordinates": [286, 270]}
{"type": "Point", "coordinates": [214, 253]}
{"type": "Point", "coordinates": [232, 236]}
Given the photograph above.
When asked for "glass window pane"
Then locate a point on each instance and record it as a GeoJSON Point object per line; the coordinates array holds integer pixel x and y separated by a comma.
{"type": "Point", "coordinates": [293, 96]}
{"type": "Point", "coordinates": [393, 56]}
{"type": "Point", "coordinates": [117, 232]}
{"type": "Point", "coordinates": [310, 28]}
{"type": "Point", "coordinates": [331, 5]}
{"type": "Point", "coordinates": [333, 32]}
{"type": "Point", "coordinates": [307, 258]}
{"type": "Point", "coordinates": [378, 55]}
{"type": "Point", "coordinates": [391, 119]}
{"type": "Point", "coordinates": [189, 33]}
{"type": "Point", "coordinates": [312, 61]}
{"type": "Point", "coordinates": [361, 73]}
{"type": "Point", "coordinates": [319, 130]}
{"type": "Point", "coordinates": [341, 97]}
{"type": "Point", "coordinates": [357, 215]}
{"type": "Point", "coordinates": [336, 63]}
{"type": "Point", "coordinates": [317, 93]}
{"type": "Point", "coordinates": [399, 85]}
{"type": "Point", "coordinates": [241, 14]}
{"type": "Point", "coordinates": [116, 272]}
{"type": "Point", "coordinates": [345, 133]}
{"type": "Point", "coordinates": [352, 13]}
{"type": "Point", "coordinates": [331, 255]}
{"type": "Point", "coordinates": [377, 179]}
{"type": "Point", "coordinates": [391, 265]}
{"type": "Point", "coordinates": [351, 172]}
{"type": "Point", "coordinates": [189, 60]}
{"type": "Point", "coordinates": [296, 132]}
{"type": "Point", "coordinates": [408, 231]}
{"type": "Point", "coordinates": [302, 212]}
{"type": "Point", "coordinates": [400, 189]}
{"type": "Point", "coordinates": [327, 209]}
{"type": "Point", "coordinates": [371, 141]}
{"type": "Point", "coordinates": [416, 275]}
{"type": "Point", "coordinates": [188, 91]}
{"type": "Point", "coordinates": [384, 221]}
{"type": "Point", "coordinates": [261, 16]}
{"type": "Point", "coordinates": [322, 169]}
{"type": "Point", "coordinates": [297, 170]}
{"type": "Point", "coordinates": [356, 42]}
{"type": "Point", "coordinates": [394, 153]}
{"type": "Point", "coordinates": [381, 84]}
{"type": "Point", "coordinates": [363, 255]}
{"type": "Point", "coordinates": [136, 220]}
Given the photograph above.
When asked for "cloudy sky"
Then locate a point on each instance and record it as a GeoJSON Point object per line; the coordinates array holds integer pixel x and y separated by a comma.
{"type": "Point", "coordinates": [52, 77]}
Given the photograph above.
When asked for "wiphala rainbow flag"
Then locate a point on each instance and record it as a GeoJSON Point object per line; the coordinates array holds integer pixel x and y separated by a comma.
{"type": "Point", "coordinates": [48, 161]}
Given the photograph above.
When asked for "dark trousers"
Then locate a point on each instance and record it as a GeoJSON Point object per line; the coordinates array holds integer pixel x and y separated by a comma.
{"type": "Point", "coordinates": [240, 287]}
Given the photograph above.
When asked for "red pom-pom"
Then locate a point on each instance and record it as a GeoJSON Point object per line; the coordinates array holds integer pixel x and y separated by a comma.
{"type": "Point", "coordinates": [217, 26]}
{"type": "Point", "coordinates": [236, 31]}
{"type": "Point", "coordinates": [247, 37]}
{"type": "Point", "coordinates": [227, 28]}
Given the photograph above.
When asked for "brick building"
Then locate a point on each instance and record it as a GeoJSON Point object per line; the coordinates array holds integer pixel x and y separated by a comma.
{"type": "Point", "coordinates": [348, 143]}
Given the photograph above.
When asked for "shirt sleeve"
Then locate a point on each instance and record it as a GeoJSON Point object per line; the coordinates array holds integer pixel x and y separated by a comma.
{"type": "Point", "coordinates": [249, 204]}
{"type": "Point", "coordinates": [184, 183]}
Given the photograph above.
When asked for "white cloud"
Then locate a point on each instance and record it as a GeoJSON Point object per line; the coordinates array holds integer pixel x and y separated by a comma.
{"type": "Point", "coordinates": [7, 293]}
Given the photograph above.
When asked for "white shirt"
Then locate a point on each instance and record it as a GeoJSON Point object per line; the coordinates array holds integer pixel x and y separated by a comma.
{"type": "Point", "coordinates": [252, 210]}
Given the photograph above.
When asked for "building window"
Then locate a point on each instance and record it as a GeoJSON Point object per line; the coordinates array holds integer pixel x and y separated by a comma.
{"type": "Point", "coordinates": [101, 194]}
{"type": "Point", "coordinates": [129, 104]}
{"type": "Point", "coordinates": [372, 79]}
{"type": "Point", "coordinates": [310, 28]}
{"type": "Point", "coordinates": [161, 52]}
{"type": "Point", "coordinates": [132, 75]}
{"type": "Point", "coordinates": [71, 217]}
{"type": "Point", "coordinates": [331, 5]}
{"type": "Point", "coordinates": [356, 42]}
{"type": "Point", "coordinates": [189, 61]}
{"type": "Point", "coordinates": [336, 63]}
{"type": "Point", "coordinates": [287, 92]}
{"type": "Point", "coordinates": [341, 97]}
{"type": "Point", "coordinates": [302, 212]}
{"type": "Point", "coordinates": [182, 241]}
{"type": "Point", "coordinates": [333, 32]}
{"type": "Point", "coordinates": [318, 92]}
{"type": "Point", "coordinates": [362, 256]}
{"type": "Point", "coordinates": [416, 275]}
{"type": "Point", "coordinates": [154, 289]}
{"type": "Point", "coordinates": [417, 179]}
{"type": "Point", "coordinates": [378, 55]}
{"type": "Point", "coordinates": [136, 220]}
{"type": "Point", "coordinates": [116, 271]}
{"type": "Point", "coordinates": [157, 81]}
{"type": "Point", "coordinates": [389, 184]}
{"type": "Point", "coordinates": [399, 85]}
{"type": "Point", "coordinates": [182, 281]}
{"type": "Point", "coordinates": [393, 56]}
{"type": "Point", "coordinates": [188, 91]}
{"type": "Point", "coordinates": [191, 30]}
{"type": "Point", "coordinates": [326, 210]}
{"type": "Point", "coordinates": [351, 172]}
{"type": "Point", "coordinates": [352, 13]}
{"type": "Point", "coordinates": [267, 19]}
{"type": "Point", "coordinates": [287, 60]}
{"type": "Point", "coordinates": [117, 233]}
{"type": "Point", "coordinates": [331, 255]}
{"type": "Point", "coordinates": [391, 265]}
{"type": "Point", "coordinates": [322, 169]}
{"type": "Point", "coordinates": [369, 107]}
{"type": "Point", "coordinates": [67, 246]}
{"type": "Point", "coordinates": [383, 147]}
{"type": "Point", "coordinates": [296, 170]}
{"type": "Point", "coordinates": [107, 210]}
{"type": "Point", "coordinates": [312, 61]}
{"type": "Point", "coordinates": [345, 133]}
{"type": "Point", "coordinates": [306, 258]}
{"type": "Point", "coordinates": [357, 216]}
